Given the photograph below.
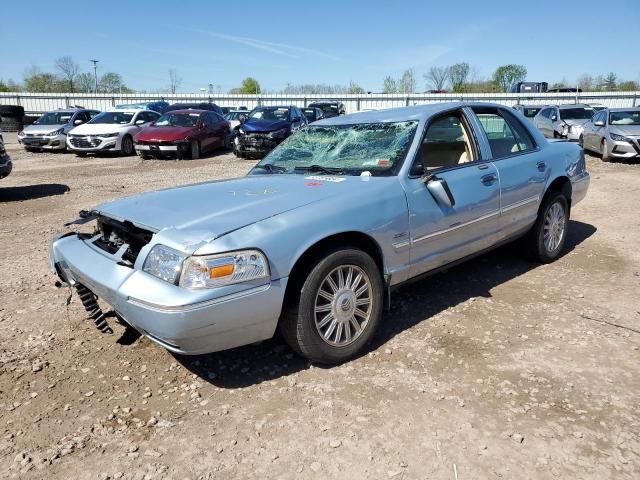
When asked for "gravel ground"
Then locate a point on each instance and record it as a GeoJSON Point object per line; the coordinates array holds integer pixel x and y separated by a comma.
{"type": "Point", "coordinates": [498, 368]}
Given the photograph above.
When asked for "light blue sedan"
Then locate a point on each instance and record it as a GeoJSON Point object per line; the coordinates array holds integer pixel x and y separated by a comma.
{"type": "Point", "coordinates": [317, 236]}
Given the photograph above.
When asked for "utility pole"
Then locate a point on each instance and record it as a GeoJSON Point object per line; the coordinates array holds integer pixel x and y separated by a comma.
{"type": "Point", "coordinates": [95, 74]}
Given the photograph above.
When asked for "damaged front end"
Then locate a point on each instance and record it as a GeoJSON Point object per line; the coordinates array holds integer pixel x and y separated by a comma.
{"type": "Point", "coordinates": [257, 144]}
{"type": "Point", "coordinates": [121, 242]}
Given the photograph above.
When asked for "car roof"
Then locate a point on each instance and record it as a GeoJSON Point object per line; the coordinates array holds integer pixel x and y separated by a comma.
{"type": "Point", "coordinates": [130, 110]}
{"type": "Point", "coordinates": [321, 102]}
{"type": "Point", "coordinates": [573, 105]}
{"type": "Point", "coordinates": [628, 109]}
{"type": "Point", "coordinates": [416, 112]}
{"type": "Point", "coordinates": [189, 111]}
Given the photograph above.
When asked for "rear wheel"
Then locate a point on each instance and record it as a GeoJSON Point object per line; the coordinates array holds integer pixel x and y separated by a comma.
{"type": "Point", "coordinates": [605, 150]}
{"type": "Point", "coordinates": [546, 238]}
{"type": "Point", "coordinates": [195, 150]}
{"type": "Point", "coordinates": [335, 310]}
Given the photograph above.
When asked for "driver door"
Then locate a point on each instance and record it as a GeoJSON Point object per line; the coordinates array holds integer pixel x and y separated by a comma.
{"type": "Point", "coordinates": [453, 196]}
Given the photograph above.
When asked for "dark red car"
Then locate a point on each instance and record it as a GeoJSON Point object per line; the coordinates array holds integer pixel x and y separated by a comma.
{"type": "Point", "coordinates": [183, 134]}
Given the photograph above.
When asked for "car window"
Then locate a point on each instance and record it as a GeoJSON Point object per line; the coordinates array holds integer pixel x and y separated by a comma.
{"type": "Point", "coordinates": [84, 116]}
{"type": "Point", "coordinates": [93, 113]}
{"type": "Point", "coordinates": [445, 144]}
{"type": "Point", "coordinates": [631, 117]}
{"type": "Point", "coordinates": [505, 133]}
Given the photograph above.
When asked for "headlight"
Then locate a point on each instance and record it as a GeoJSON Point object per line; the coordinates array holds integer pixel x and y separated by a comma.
{"type": "Point", "coordinates": [21, 133]}
{"type": "Point", "coordinates": [224, 269]}
{"type": "Point", "coordinates": [283, 132]}
{"type": "Point", "coordinates": [108, 135]}
{"type": "Point", "coordinates": [575, 128]}
{"type": "Point", "coordinates": [618, 138]}
{"type": "Point", "coordinates": [60, 131]}
{"type": "Point", "coordinates": [164, 262]}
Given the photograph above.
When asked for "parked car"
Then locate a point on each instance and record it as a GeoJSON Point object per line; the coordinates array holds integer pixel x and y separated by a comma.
{"type": "Point", "coordinates": [312, 114]}
{"type": "Point", "coordinates": [264, 128]}
{"type": "Point", "coordinates": [182, 133]}
{"type": "Point", "coordinates": [330, 108]}
{"type": "Point", "coordinates": [313, 241]}
{"type": "Point", "coordinates": [160, 106]}
{"type": "Point", "coordinates": [196, 106]}
{"type": "Point", "coordinates": [563, 121]}
{"type": "Point", "coordinates": [613, 133]}
{"type": "Point", "coordinates": [565, 90]}
{"type": "Point", "coordinates": [528, 111]}
{"type": "Point", "coordinates": [5, 161]}
{"type": "Point", "coordinates": [111, 131]}
{"type": "Point", "coordinates": [234, 116]}
{"type": "Point", "coordinates": [49, 132]}
{"type": "Point", "coordinates": [530, 87]}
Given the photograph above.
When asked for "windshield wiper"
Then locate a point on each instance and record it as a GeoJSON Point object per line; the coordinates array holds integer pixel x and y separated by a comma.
{"type": "Point", "coordinates": [320, 168]}
{"type": "Point", "coordinates": [271, 168]}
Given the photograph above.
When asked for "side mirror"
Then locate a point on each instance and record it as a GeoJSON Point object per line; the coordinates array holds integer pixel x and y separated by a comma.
{"type": "Point", "coordinates": [139, 122]}
{"type": "Point", "coordinates": [554, 118]}
{"type": "Point", "coordinates": [152, 124]}
{"type": "Point", "coordinates": [599, 123]}
{"type": "Point", "coordinates": [78, 122]}
{"type": "Point", "coordinates": [242, 118]}
{"type": "Point", "coordinates": [439, 190]}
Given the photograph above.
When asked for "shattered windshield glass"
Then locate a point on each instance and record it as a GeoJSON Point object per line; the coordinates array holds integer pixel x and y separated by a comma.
{"type": "Point", "coordinates": [348, 149]}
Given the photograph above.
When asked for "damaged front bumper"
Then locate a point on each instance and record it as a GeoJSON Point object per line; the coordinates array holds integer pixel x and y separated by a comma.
{"type": "Point", "coordinates": [161, 149]}
{"type": "Point", "coordinates": [256, 143]}
{"type": "Point", "coordinates": [181, 320]}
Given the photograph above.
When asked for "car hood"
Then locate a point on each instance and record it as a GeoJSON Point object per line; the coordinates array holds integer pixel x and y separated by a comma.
{"type": "Point", "coordinates": [164, 134]}
{"type": "Point", "coordinates": [195, 214]}
{"type": "Point", "coordinates": [572, 121]}
{"type": "Point", "coordinates": [632, 130]}
{"type": "Point", "coordinates": [259, 125]}
{"type": "Point", "coordinates": [42, 129]}
{"type": "Point", "coordinates": [98, 128]}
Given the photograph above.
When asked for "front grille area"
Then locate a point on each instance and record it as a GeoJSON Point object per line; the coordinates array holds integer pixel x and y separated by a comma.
{"type": "Point", "coordinates": [84, 142]}
{"type": "Point", "coordinates": [34, 140]}
{"type": "Point", "coordinates": [115, 234]}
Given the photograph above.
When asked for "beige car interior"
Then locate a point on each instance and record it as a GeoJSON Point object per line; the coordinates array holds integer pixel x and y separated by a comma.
{"type": "Point", "coordinates": [446, 143]}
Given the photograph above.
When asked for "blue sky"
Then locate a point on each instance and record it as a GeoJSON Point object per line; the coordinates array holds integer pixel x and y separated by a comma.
{"type": "Point", "coordinates": [322, 41]}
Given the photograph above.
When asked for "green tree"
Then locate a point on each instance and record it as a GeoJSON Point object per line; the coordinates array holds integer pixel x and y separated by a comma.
{"type": "Point", "coordinates": [85, 83]}
{"type": "Point", "coordinates": [111, 82]}
{"type": "Point", "coordinates": [389, 85]}
{"type": "Point", "coordinates": [506, 76]}
{"type": "Point", "coordinates": [458, 75]}
{"type": "Point", "coordinates": [249, 86]}
{"type": "Point", "coordinates": [37, 81]}
{"type": "Point", "coordinates": [407, 83]}
{"type": "Point", "coordinates": [628, 86]}
{"type": "Point", "coordinates": [585, 82]}
{"type": "Point", "coordinates": [610, 82]}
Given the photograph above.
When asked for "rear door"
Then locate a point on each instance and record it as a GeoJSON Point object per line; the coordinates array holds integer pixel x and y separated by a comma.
{"type": "Point", "coordinates": [521, 167]}
{"type": "Point", "coordinates": [453, 196]}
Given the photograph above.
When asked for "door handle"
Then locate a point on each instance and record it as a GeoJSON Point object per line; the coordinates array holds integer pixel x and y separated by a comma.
{"type": "Point", "coordinates": [489, 178]}
{"type": "Point", "coordinates": [483, 167]}
{"type": "Point", "coordinates": [541, 165]}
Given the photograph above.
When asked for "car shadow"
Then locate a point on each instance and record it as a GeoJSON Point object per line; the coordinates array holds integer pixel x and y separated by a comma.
{"type": "Point", "coordinates": [411, 304]}
{"type": "Point", "coordinates": [31, 192]}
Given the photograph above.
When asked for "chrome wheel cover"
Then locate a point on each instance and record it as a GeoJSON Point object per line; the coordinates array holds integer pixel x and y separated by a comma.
{"type": "Point", "coordinates": [343, 305]}
{"type": "Point", "coordinates": [554, 225]}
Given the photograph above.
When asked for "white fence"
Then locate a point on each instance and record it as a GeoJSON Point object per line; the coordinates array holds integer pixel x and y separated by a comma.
{"type": "Point", "coordinates": [35, 103]}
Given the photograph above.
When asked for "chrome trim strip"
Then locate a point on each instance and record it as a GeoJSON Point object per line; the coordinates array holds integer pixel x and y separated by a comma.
{"type": "Point", "coordinates": [455, 227]}
{"type": "Point", "coordinates": [195, 306]}
{"type": "Point", "coordinates": [521, 203]}
{"type": "Point", "coordinates": [399, 245]}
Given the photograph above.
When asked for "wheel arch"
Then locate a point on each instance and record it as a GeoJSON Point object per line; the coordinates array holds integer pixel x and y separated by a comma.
{"type": "Point", "coordinates": [560, 184]}
{"type": "Point", "coordinates": [315, 251]}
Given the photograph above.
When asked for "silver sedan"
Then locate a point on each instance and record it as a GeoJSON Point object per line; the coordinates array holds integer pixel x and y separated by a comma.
{"type": "Point", "coordinates": [613, 133]}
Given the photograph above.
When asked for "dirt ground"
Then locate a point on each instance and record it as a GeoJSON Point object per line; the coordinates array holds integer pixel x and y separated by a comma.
{"type": "Point", "coordinates": [499, 368]}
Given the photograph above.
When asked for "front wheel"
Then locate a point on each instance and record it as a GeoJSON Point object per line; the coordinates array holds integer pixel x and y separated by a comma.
{"type": "Point", "coordinates": [605, 151]}
{"type": "Point", "coordinates": [547, 236]}
{"type": "Point", "coordinates": [195, 150]}
{"type": "Point", "coordinates": [336, 310]}
{"type": "Point", "coordinates": [127, 146]}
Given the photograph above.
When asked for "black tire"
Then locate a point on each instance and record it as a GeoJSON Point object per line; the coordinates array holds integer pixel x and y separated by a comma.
{"type": "Point", "coordinates": [145, 156]}
{"type": "Point", "coordinates": [127, 146]}
{"type": "Point", "coordinates": [194, 150]}
{"type": "Point", "coordinates": [537, 247]}
{"type": "Point", "coordinates": [604, 149]}
{"type": "Point", "coordinates": [81, 154]}
{"type": "Point", "coordinates": [299, 322]}
{"type": "Point", "coordinates": [14, 111]}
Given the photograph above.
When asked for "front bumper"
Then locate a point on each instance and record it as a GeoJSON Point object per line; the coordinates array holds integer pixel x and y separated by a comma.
{"type": "Point", "coordinates": [45, 142]}
{"type": "Point", "coordinates": [622, 150]}
{"type": "Point", "coordinates": [256, 143]}
{"type": "Point", "coordinates": [162, 149]}
{"type": "Point", "coordinates": [5, 166]}
{"type": "Point", "coordinates": [181, 320]}
{"type": "Point", "coordinates": [92, 143]}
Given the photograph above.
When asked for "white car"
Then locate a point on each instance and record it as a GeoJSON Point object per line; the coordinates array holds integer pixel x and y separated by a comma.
{"type": "Point", "coordinates": [111, 131]}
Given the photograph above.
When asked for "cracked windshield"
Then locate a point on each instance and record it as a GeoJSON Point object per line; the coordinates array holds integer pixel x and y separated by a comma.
{"type": "Point", "coordinates": [343, 149]}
